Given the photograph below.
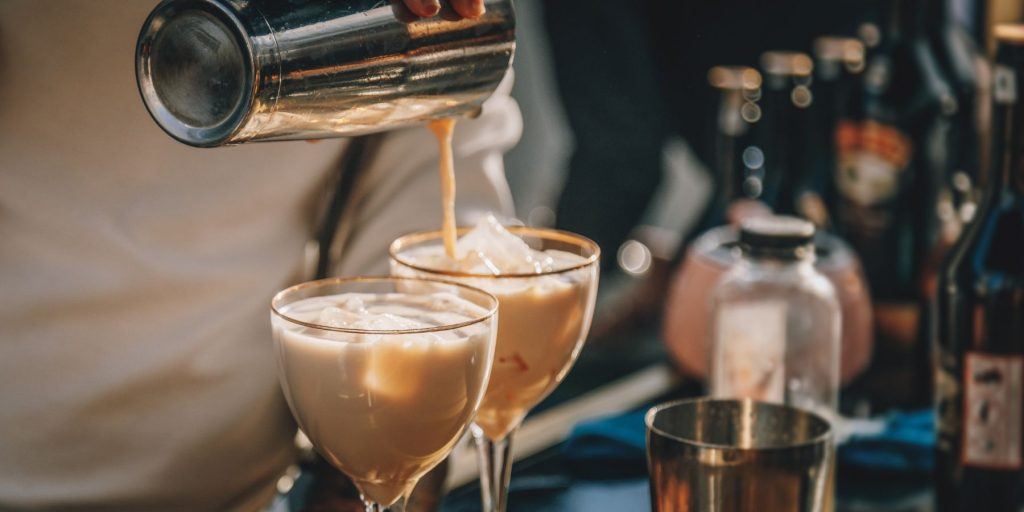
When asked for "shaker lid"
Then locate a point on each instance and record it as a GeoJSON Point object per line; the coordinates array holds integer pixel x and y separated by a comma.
{"type": "Point", "coordinates": [775, 233]}
{"type": "Point", "coordinates": [194, 69]}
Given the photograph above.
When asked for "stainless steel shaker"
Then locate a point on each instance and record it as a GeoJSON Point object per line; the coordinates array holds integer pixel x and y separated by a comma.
{"type": "Point", "coordinates": [707, 455]}
{"type": "Point", "coordinates": [217, 72]}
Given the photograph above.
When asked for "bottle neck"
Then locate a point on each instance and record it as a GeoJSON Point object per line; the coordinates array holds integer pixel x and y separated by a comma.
{"type": "Point", "coordinates": [907, 18]}
{"type": "Point", "coordinates": [730, 126]}
{"type": "Point", "coordinates": [1008, 119]}
{"type": "Point", "coordinates": [784, 152]}
{"type": "Point", "coordinates": [802, 256]}
{"type": "Point", "coordinates": [734, 123]}
{"type": "Point", "coordinates": [936, 12]}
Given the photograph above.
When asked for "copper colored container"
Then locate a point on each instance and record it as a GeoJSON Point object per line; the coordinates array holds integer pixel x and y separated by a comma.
{"type": "Point", "coordinates": [738, 456]}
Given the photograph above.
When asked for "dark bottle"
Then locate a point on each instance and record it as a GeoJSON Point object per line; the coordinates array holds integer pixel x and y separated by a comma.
{"type": "Point", "coordinates": [960, 63]}
{"type": "Point", "coordinates": [980, 333]}
{"type": "Point", "coordinates": [869, 31]}
{"type": "Point", "coordinates": [838, 64]}
{"type": "Point", "coordinates": [738, 163]}
{"type": "Point", "coordinates": [787, 98]}
{"type": "Point", "coordinates": [890, 165]}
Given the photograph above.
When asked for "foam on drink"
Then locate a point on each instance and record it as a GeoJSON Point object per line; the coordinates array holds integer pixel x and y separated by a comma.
{"type": "Point", "coordinates": [385, 408]}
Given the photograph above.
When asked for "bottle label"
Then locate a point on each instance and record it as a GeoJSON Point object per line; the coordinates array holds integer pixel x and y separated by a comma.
{"type": "Point", "coordinates": [992, 410]}
{"type": "Point", "coordinates": [871, 159]}
{"type": "Point", "coordinates": [1004, 88]}
{"type": "Point", "coordinates": [750, 349]}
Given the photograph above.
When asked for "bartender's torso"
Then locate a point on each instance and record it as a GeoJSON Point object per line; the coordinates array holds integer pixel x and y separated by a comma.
{"type": "Point", "coordinates": [136, 370]}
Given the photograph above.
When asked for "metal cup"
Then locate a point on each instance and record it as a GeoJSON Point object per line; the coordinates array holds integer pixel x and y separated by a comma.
{"type": "Point", "coordinates": [216, 72]}
{"type": "Point", "coordinates": [708, 455]}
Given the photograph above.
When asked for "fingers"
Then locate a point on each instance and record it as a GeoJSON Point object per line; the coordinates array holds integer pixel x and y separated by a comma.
{"type": "Point", "coordinates": [454, 9]}
{"type": "Point", "coordinates": [402, 12]}
{"type": "Point", "coordinates": [424, 8]}
{"type": "Point", "coordinates": [468, 8]}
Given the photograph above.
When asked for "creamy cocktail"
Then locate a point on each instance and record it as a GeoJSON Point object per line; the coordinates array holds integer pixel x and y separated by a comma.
{"type": "Point", "coordinates": [546, 284]}
{"type": "Point", "coordinates": [384, 375]}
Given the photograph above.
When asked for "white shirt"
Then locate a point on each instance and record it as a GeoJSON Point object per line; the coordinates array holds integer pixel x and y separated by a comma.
{"type": "Point", "coordinates": [136, 370]}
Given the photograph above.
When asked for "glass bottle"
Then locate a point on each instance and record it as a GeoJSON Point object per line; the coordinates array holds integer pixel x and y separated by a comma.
{"type": "Point", "coordinates": [979, 352]}
{"type": "Point", "coordinates": [961, 65]}
{"type": "Point", "coordinates": [890, 163]}
{"type": "Point", "coordinates": [891, 166]}
{"type": "Point", "coordinates": [775, 333]}
{"type": "Point", "coordinates": [738, 163]}
{"type": "Point", "coordinates": [782, 132]}
{"type": "Point", "coordinates": [838, 64]}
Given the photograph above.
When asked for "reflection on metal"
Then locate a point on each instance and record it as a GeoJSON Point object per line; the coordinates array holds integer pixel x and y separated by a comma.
{"type": "Point", "coordinates": [738, 455]}
{"type": "Point", "coordinates": [215, 72]}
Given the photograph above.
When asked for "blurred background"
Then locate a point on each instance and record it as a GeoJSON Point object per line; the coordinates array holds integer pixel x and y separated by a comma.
{"type": "Point", "coordinates": [624, 128]}
{"type": "Point", "coordinates": [631, 139]}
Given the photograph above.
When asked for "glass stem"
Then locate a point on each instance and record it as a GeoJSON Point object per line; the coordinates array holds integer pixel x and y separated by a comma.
{"type": "Point", "coordinates": [398, 506]}
{"type": "Point", "coordinates": [495, 461]}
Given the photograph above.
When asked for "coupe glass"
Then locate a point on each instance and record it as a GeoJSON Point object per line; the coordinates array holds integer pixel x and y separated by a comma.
{"type": "Point", "coordinates": [383, 404]}
{"type": "Point", "coordinates": [545, 318]}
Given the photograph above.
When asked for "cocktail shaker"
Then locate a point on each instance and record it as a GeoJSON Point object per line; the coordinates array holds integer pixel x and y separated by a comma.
{"type": "Point", "coordinates": [708, 455]}
{"type": "Point", "coordinates": [217, 72]}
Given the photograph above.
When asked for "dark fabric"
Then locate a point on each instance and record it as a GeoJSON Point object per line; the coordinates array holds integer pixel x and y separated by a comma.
{"type": "Point", "coordinates": [632, 73]}
{"type": "Point", "coordinates": [358, 155]}
{"type": "Point", "coordinates": [608, 81]}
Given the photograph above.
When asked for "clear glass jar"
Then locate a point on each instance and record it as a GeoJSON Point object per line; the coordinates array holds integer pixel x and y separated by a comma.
{"type": "Point", "coordinates": [775, 320]}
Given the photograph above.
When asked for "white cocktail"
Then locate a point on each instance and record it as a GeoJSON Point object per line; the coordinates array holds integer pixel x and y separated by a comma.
{"type": "Point", "coordinates": [383, 375]}
{"type": "Point", "coordinates": [546, 284]}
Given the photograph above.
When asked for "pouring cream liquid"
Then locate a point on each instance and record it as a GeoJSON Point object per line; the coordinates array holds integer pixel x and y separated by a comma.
{"type": "Point", "coordinates": [542, 322]}
{"type": "Point", "coordinates": [444, 129]}
{"type": "Point", "coordinates": [383, 408]}
{"type": "Point", "coordinates": [542, 319]}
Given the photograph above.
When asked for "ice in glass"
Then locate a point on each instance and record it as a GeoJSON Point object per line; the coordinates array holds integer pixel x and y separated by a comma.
{"type": "Point", "coordinates": [383, 375]}
{"type": "Point", "coordinates": [546, 284]}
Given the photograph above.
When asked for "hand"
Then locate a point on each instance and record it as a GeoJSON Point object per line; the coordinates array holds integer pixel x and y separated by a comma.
{"type": "Point", "coordinates": [456, 9]}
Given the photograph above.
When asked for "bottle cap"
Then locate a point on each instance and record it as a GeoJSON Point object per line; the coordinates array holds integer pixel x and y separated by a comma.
{"type": "Point", "coordinates": [777, 235]}
{"type": "Point", "coordinates": [735, 78]}
{"type": "Point", "coordinates": [785, 63]}
{"type": "Point", "coordinates": [847, 50]}
{"type": "Point", "coordinates": [1012, 33]}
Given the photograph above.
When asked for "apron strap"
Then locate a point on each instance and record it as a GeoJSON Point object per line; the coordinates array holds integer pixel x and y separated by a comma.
{"type": "Point", "coordinates": [358, 157]}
